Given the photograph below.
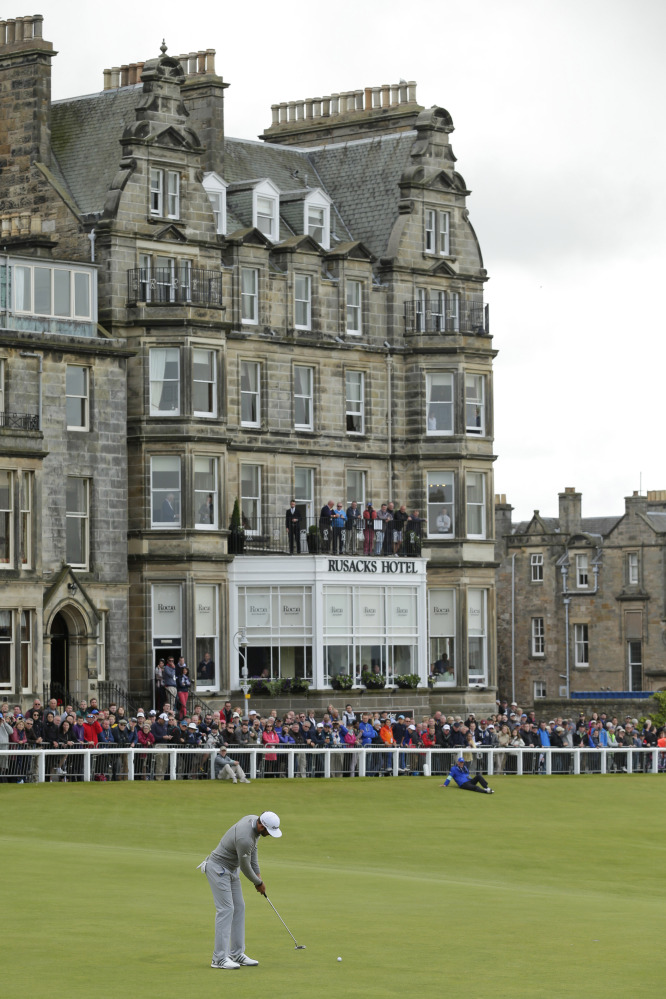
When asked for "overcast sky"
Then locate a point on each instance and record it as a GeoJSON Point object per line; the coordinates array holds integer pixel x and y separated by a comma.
{"type": "Point", "coordinates": [558, 108]}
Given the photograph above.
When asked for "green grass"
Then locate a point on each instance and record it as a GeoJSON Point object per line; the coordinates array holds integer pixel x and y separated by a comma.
{"type": "Point", "coordinates": [551, 887]}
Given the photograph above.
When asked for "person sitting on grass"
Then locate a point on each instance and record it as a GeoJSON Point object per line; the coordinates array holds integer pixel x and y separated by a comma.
{"type": "Point", "coordinates": [228, 769]}
{"type": "Point", "coordinates": [460, 774]}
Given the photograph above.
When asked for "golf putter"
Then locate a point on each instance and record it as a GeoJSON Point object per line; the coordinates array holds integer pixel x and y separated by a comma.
{"type": "Point", "coordinates": [297, 946]}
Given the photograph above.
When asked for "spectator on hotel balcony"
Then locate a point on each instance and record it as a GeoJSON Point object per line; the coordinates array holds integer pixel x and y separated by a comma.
{"type": "Point", "coordinates": [338, 524]}
{"type": "Point", "coordinates": [369, 517]}
{"type": "Point", "coordinates": [325, 525]}
{"type": "Point", "coordinates": [354, 521]}
{"type": "Point", "coordinates": [400, 519]}
{"type": "Point", "coordinates": [293, 526]}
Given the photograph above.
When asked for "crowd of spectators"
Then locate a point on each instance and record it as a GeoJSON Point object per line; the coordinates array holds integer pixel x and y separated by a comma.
{"type": "Point", "coordinates": [389, 530]}
{"type": "Point", "coordinates": [225, 734]}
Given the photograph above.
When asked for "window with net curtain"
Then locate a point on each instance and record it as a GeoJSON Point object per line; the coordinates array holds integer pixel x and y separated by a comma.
{"type": "Point", "coordinates": [164, 381]}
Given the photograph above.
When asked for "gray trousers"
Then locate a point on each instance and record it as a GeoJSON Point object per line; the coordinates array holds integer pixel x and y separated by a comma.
{"type": "Point", "coordinates": [230, 911]}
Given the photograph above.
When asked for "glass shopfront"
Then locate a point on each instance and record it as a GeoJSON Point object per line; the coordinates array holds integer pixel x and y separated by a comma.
{"type": "Point", "coordinates": [278, 629]}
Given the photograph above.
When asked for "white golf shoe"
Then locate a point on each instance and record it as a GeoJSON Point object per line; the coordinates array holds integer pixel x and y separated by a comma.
{"type": "Point", "coordinates": [227, 965]}
{"type": "Point", "coordinates": [247, 962]}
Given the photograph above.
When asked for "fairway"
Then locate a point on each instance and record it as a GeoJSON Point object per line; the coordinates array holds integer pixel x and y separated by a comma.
{"type": "Point", "coordinates": [552, 886]}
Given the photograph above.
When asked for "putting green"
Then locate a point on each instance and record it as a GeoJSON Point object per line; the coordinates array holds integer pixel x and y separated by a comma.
{"type": "Point", "coordinates": [552, 886]}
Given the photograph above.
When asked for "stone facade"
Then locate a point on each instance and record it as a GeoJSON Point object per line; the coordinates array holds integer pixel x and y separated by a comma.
{"type": "Point", "coordinates": [303, 317]}
{"type": "Point", "coordinates": [581, 600]}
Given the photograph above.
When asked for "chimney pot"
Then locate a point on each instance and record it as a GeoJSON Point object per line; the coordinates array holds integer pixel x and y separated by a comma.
{"type": "Point", "coordinates": [107, 79]}
{"type": "Point", "coordinates": [11, 30]}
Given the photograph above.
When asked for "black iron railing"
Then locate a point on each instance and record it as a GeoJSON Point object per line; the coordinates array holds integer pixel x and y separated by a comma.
{"type": "Point", "coordinates": [317, 536]}
{"type": "Point", "coordinates": [19, 421]}
{"type": "Point", "coordinates": [433, 316]}
{"type": "Point", "coordinates": [174, 286]}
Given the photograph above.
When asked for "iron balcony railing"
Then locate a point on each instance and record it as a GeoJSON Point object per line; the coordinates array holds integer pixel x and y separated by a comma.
{"type": "Point", "coordinates": [433, 316]}
{"type": "Point", "coordinates": [174, 286]}
{"type": "Point", "coordinates": [318, 537]}
{"type": "Point", "coordinates": [19, 421]}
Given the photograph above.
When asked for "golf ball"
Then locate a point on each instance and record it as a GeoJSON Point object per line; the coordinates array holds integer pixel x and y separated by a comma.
{"type": "Point", "coordinates": [339, 959]}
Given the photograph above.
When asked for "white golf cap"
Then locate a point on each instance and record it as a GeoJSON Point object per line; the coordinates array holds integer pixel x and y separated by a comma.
{"type": "Point", "coordinates": [271, 823]}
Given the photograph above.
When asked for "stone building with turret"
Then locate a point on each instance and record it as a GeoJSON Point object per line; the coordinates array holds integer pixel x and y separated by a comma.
{"type": "Point", "coordinates": [302, 317]}
{"type": "Point", "coordinates": [581, 601]}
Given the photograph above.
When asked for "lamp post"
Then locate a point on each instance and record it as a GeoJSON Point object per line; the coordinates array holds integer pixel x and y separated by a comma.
{"type": "Point", "coordinates": [240, 643]}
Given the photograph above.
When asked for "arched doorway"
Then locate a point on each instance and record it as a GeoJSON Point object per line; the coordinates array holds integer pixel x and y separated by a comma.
{"type": "Point", "coordinates": [59, 657]}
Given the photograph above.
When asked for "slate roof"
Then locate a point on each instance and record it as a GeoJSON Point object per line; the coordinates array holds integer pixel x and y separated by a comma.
{"type": "Point", "coordinates": [361, 176]}
{"type": "Point", "coordinates": [85, 141]}
{"type": "Point", "coordinates": [658, 520]}
{"type": "Point", "coordinates": [588, 525]}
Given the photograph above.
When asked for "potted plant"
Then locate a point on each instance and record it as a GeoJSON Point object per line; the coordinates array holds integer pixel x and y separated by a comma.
{"type": "Point", "coordinates": [295, 685]}
{"type": "Point", "coordinates": [258, 686]}
{"type": "Point", "coordinates": [372, 681]}
{"type": "Point", "coordinates": [236, 531]}
{"type": "Point", "coordinates": [342, 681]}
{"type": "Point", "coordinates": [312, 539]}
{"type": "Point", "coordinates": [407, 681]}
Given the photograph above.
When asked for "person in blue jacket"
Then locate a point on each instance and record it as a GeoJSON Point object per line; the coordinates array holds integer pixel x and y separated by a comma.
{"type": "Point", "coordinates": [460, 774]}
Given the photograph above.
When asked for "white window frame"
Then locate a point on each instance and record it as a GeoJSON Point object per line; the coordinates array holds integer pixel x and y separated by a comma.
{"type": "Point", "coordinates": [200, 495]}
{"type": "Point", "coordinates": [216, 190]}
{"type": "Point", "coordinates": [25, 513]}
{"type": "Point", "coordinates": [173, 194]}
{"type": "Point", "coordinates": [267, 220]}
{"type": "Point", "coordinates": [211, 382]}
{"type": "Point", "coordinates": [175, 462]}
{"type": "Point", "coordinates": [447, 481]}
{"type": "Point", "coordinates": [82, 516]}
{"type": "Point", "coordinates": [539, 689]}
{"type": "Point", "coordinates": [303, 298]}
{"type": "Point", "coordinates": [582, 572]}
{"type": "Point", "coordinates": [247, 368]}
{"type": "Point", "coordinates": [453, 312]}
{"type": "Point", "coordinates": [165, 277]}
{"type": "Point", "coordinates": [475, 481]}
{"type": "Point", "coordinates": [249, 296]}
{"type": "Point", "coordinates": [633, 664]}
{"type": "Point", "coordinates": [7, 512]}
{"type": "Point", "coordinates": [581, 645]}
{"type": "Point", "coordinates": [354, 407]}
{"type": "Point", "coordinates": [439, 380]}
{"type": "Point", "coordinates": [2, 384]}
{"type": "Point", "coordinates": [254, 498]}
{"type": "Point", "coordinates": [317, 201]}
{"type": "Point", "coordinates": [538, 637]}
{"type": "Point", "coordinates": [27, 294]}
{"type": "Point", "coordinates": [157, 369]}
{"type": "Point", "coordinates": [475, 408]}
{"type": "Point", "coordinates": [349, 489]}
{"type": "Point", "coordinates": [633, 567]}
{"type": "Point", "coordinates": [354, 307]}
{"type": "Point", "coordinates": [8, 643]}
{"type": "Point", "coordinates": [482, 636]}
{"type": "Point", "coordinates": [536, 567]}
{"type": "Point", "coordinates": [307, 396]}
{"type": "Point", "coordinates": [305, 496]}
{"type": "Point", "coordinates": [25, 642]}
{"type": "Point", "coordinates": [84, 399]}
{"type": "Point", "coordinates": [437, 226]}
{"type": "Point", "coordinates": [156, 199]}
{"type": "Point", "coordinates": [421, 312]}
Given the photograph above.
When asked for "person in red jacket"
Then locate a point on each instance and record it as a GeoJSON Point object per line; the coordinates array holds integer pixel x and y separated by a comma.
{"type": "Point", "coordinates": [91, 729]}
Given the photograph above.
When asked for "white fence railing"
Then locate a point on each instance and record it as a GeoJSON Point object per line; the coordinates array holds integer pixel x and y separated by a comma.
{"type": "Point", "coordinates": [110, 763]}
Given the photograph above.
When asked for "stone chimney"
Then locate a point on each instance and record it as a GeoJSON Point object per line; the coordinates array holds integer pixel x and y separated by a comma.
{"type": "Point", "coordinates": [570, 511]}
{"type": "Point", "coordinates": [202, 93]}
{"type": "Point", "coordinates": [636, 502]}
{"type": "Point", "coordinates": [503, 523]}
{"type": "Point", "coordinates": [25, 101]}
{"type": "Point", "coordinates": [353, 114]}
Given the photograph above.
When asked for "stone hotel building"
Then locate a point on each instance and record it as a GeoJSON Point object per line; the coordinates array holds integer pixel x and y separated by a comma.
{"type": "Point", "coordinates": [190, 320]}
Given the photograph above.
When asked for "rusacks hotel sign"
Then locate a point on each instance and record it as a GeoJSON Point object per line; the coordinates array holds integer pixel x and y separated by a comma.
{"type": "Point", "coordinates": [394, 565]}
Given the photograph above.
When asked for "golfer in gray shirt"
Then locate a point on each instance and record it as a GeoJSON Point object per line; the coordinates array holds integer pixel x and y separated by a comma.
{"type": "Point", "coordinates": [236, 852]}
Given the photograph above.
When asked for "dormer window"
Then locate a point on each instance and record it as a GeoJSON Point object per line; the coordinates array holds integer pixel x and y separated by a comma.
{"type": "Point", "coordinates": [216, 191]}
{"type": "Point", "coordinates": [317, 218]}
{"type": "Point", "coordinates": [265, 209]}
{"type": "Point", "coordinates": [164, 193]}
{"type": "Point", "coordinates": [437, 232]}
